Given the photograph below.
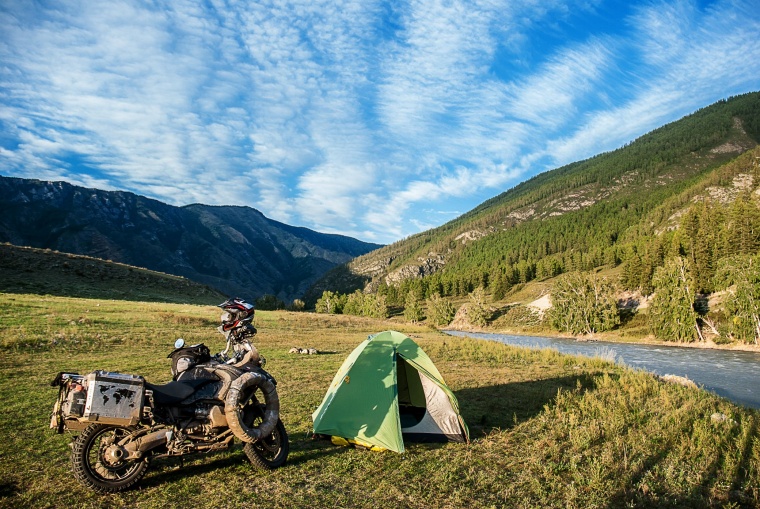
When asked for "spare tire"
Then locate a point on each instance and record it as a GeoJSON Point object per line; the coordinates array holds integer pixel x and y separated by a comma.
{"type": "Point", "coordinates": [238, 398]}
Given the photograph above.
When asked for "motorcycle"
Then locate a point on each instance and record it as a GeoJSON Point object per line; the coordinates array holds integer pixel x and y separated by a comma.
{"type": "Point", "coordinates": [125, 422]}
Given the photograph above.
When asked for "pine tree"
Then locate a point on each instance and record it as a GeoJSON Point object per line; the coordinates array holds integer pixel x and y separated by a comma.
{"type": "Point", "coordinates": [413, 307]}
{"type": "Point", "coordinates": [671, 313]}
{"type": "Point", "coordinates": [741, 275]}
{"type": "Point", "coordinates": [478, 311]}
{"type": "Point", "coordinates": [440, 311]}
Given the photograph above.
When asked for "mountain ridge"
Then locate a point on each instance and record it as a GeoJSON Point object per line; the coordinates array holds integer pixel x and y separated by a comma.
{"type": "Point", "coordinates": [234, 249]}
{"type": "Point", "coordinates": [551, 219]}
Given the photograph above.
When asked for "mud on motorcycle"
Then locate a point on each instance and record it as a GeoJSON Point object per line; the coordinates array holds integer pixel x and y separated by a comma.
{"type": "Point", "coordinates": [125, 422]}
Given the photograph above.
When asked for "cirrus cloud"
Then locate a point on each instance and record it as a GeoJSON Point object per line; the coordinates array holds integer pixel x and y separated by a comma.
{"type": "Point", "coordinates": [364, 117]}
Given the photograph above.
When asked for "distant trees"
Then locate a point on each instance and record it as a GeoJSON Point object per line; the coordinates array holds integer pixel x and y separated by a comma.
{"type": "Point", "coordinates": [741, 276]}
{"type": "Point", "coordinates": [269, 302]}
{"type": "Point", "coordinates": [440, 311]}
{"type": "Point", "coordinates": [583, 304]}
{"type": "Point", "coordinates": [366, 304]}
{"type": "Point", "coordinates": [413, 311]}
{"type": "Point", "coordinates": [671, 313]}
{"type": "Point", "coordinates": [330, 303]}
{"type": "Point", "coordinates": [357, 303]}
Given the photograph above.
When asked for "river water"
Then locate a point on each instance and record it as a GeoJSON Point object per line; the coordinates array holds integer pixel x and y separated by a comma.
{"type": "Point", "coordinates": [729, 373]}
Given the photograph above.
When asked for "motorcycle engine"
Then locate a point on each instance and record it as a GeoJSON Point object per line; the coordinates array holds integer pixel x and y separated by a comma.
{"type": "Point", "coordinates": [208, 419]}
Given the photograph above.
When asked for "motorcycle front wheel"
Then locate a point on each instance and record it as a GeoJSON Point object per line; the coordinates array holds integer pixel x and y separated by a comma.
{"type": "Point", "coordinates": [97, 462]}
{"type": "Point", "coordinates": [269, 452]}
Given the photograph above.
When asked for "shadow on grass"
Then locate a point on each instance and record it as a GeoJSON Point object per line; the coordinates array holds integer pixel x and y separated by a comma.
{"type": "Point", "coordinates": [8, 489]}
{"type": "Point", "coordinates": [645, 484]}
{"type": "Point", "coordinates": [310, 449]}
{"type": "Point", "coordinates": [170, 470]}
{"type": "Point", "coordinates": [502, 406]}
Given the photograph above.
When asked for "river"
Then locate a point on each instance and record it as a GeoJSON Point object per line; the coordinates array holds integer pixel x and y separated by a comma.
{"type": "Point", "coordinates": [729, 373]}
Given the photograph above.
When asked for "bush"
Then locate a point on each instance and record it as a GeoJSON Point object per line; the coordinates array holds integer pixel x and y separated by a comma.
{"type": "Point", "coordinates": [671, 314]}
{"type": "Point", "coordinates": [583, 304]}
{"type": "Point", "coordinates": [440, 311]}
{"type": "Point", "coordinates": [297, 305]}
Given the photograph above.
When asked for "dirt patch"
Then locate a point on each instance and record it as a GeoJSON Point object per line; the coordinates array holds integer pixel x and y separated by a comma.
{"type": "Point", "coordinates": [461, 321]}
{"type": "Point", "coordinates": [727, 148]}
{"type": "Point", "coordinates": [542, 303]}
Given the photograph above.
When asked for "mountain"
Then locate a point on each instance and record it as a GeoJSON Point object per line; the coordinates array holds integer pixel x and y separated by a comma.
{"type": "Point", "coordinates": [236, 250]}
{"type": "Point", "coordinates": [581, 216]}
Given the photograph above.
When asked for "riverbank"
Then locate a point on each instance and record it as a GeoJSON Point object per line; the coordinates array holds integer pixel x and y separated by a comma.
{"type": "Point", "coordinates": [611, 337]}
{"type": "Point", "coordinates": [548, 430]}
{"type": "Point", "coordinates": [728, 373]}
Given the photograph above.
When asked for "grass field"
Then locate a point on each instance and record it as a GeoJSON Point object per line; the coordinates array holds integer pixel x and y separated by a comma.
{"type": "Point", "coordinates": [548, 430]}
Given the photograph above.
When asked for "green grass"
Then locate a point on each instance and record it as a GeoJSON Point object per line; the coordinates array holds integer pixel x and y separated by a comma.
{"type": "Point", "coordinates": [548, 430]}
{"type": "Point", "coordinates": [42, 271]}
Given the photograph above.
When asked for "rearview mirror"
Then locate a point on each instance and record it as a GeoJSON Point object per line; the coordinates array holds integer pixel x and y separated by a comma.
{"type": "Point", "coordinates": [179, 343]}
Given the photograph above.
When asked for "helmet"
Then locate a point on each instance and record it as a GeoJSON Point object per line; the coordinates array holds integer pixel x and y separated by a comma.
{"type": "Point", "coordinates": [237, 313]}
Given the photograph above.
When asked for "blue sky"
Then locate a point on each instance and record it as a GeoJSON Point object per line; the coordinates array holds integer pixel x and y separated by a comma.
{"type": "Point", "coordinates": [368, 118]}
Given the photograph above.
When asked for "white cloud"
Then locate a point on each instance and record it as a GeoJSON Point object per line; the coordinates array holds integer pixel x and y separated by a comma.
{"type": "Point", "coordinates": [348, 116]}
{"type": "Point", "coordinates": [548, 98]}
{"type": "Point", "coordinates": [714, 56]}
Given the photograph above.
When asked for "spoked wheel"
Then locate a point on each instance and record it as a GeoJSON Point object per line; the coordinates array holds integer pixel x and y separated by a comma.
{"type": "Point", "coordinates": [271, 451]}
{"type": "Point", "coordinates": [98, 460]}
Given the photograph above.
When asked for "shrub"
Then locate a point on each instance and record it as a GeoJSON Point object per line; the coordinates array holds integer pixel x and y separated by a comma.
{"type": "Point", "coordinates": [583, 304]}
{"type": "Point", "coordinates": [671, 314]}
{"type": "Point", "coordinates": [297, 305]}
{"type": "Point", "coordinates": [440, 311]}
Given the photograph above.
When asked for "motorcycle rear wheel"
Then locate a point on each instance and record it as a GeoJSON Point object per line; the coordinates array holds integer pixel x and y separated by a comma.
{"type": "Point", "coordinates": [92, 467]}
{"type": "Point", "coordinates": [271, 451]}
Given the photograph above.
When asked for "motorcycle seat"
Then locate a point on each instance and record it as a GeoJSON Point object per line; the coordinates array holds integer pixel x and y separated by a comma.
{"type": "Point", "coordinates": [174, 392]}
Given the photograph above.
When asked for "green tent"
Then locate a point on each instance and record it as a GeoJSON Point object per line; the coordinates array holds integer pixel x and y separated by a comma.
{"type": "Point", "coordinates": [386, 390]}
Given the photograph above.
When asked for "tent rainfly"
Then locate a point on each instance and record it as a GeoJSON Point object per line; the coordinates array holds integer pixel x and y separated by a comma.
{"type": "Point", "coordinates": [388, 390]}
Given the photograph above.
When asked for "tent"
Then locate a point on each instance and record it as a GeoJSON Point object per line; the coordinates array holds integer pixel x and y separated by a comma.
{"type": "Point", "coordinates": [388, 390]}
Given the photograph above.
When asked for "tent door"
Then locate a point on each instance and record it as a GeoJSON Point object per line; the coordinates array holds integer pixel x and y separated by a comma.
{"type": "Point", "coordinates": [425, 411]}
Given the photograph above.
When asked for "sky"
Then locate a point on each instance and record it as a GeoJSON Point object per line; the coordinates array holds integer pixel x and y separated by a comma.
{"type": "Point", "coordinates": [368, 118]}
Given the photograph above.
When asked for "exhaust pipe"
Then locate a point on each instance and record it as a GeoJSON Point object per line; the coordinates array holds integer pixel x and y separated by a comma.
{"type": "Point", "coordinates": [139, 446]}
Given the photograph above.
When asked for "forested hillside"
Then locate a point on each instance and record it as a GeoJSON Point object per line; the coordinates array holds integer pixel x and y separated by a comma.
{"type": "Point", "coordinates": [683, 198]}
{"type": "Point", "coordinates": [581, 216]}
